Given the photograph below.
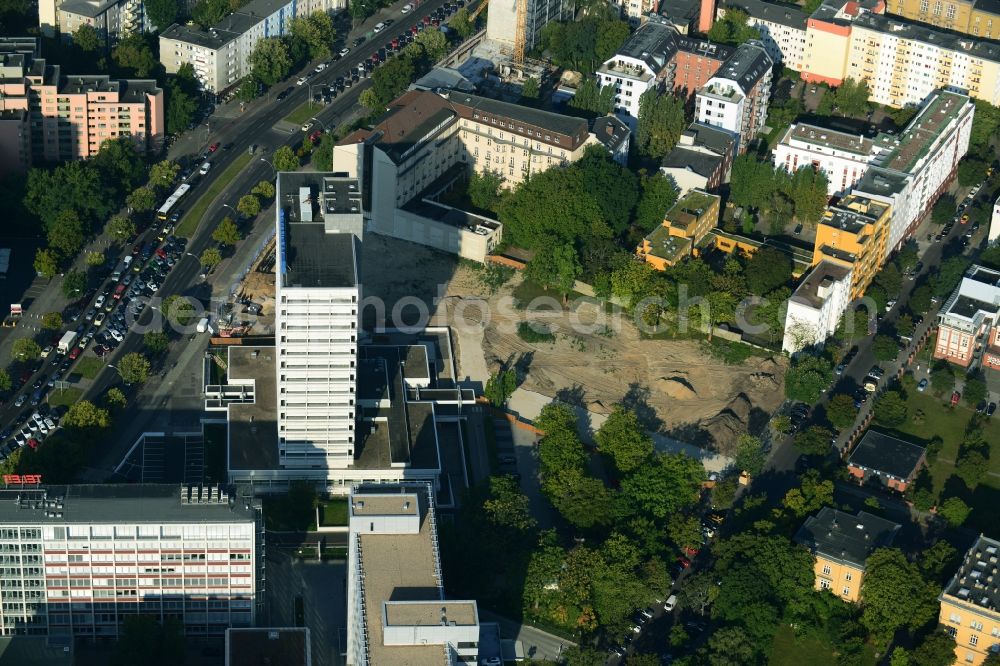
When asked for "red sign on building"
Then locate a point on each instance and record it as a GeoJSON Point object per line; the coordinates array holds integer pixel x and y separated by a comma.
{"type": "Point", "coordinates": [22, 479]}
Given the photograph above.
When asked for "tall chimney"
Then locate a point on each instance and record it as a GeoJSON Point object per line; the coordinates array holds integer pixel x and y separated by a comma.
{"type": "Point", "coordinates": [707, 16]}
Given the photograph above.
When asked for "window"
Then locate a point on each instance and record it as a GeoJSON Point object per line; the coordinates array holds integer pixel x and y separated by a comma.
{"type": "Point", "coordinates": [826, 569]}
{"type": "Point", "coordinates": [824, 584]}
{"type": "Point", "coordinates": [848, 577]}
{"type": "Point", "coordinates": [978, 626]}
{"type": "Point", "coordinates": [955, 618]}
{"type": "Point", "coordinates": [973, 640]}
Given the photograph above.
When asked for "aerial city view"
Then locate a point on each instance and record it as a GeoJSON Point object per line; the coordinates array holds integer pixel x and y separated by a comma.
{"type": "Point", "coordinates": [483, 332]}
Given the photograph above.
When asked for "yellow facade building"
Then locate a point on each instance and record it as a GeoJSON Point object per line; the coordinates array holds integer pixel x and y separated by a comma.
{"type": "Point", "coordinates": [970, 604]}
{"type": "Point", "coordinates": [684, 225]}
{"type": "Point", "coordinates": [841, 544]}
{"type": "Point", "coordinates": [972, 17]}
{"type": "Point", "coordinates": [854, 233]}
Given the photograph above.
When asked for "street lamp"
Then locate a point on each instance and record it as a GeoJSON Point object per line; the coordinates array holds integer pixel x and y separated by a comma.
{"type": "Point", "coordinates": [325, 128]}
{"type": "Point", "coordinates": [270, 165]}
{"type": "Point", "coordinates": [235, 212]}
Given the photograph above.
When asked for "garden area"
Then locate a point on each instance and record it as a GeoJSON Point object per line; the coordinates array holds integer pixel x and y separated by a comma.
{"type": "Point", "coordinates": [812, 648]}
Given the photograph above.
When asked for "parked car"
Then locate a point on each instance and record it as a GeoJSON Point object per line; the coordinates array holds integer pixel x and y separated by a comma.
{"type": "Point", "coordinates": [214, 147]}
{"type": "Point", "coordinates": [955, 397]}
{"type": "Point", "coordinates": [922, 385]}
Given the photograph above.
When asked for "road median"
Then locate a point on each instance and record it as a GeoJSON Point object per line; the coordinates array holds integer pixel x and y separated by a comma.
{"type": "Point", "coordinates": [189, 223]}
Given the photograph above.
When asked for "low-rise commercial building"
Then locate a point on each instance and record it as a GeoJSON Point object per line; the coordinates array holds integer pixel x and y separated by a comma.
{"type": "Point", "coordinates": [886, 460]}
{"type": "Point", "coordinates": [77, 561]}
{"type": "Point", "coordinates": [968, 322]}
{"type": "Point", "coordinates": [736, 98]}
{"type": "Point", "coordinates": [46, 116]}
{"type": "Point", "coordinates": [684, 225]}
{"type": "Point", "coordinates": [816, 305]}
{"type": "Point", "coordinates": [396, 608]}
{"type": "Point", "coordinates": [841, 543]}
{"type": "Point", "coordinates": [702, 158]}
{"type": "Point", "coordinates": [853, 233]}
{"type": "Point", "coordinates": [970, 604]}
{"type": "Point", "coordinates": [221, 55]}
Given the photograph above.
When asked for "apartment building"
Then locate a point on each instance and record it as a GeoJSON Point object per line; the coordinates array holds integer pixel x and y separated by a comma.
{"type": "Point", "coordinates": [842, 156]}
{"type": "Point", "coordinates": [816, 305]}
{"type": "Point", "coordinates": [697, 61]}
{"type": "Point", "coordinates": [646, 61]}
{"type": "Point", "coordinates": [913, 169]}
{"type": "Point", "coordinates": [980, 18]}
{"type": "Point", "coordinates": [113, 19]}
{"type": "Point", "coordinates": [635, 11]}
{"type": "Point", "coordinates": [994, 232]}
{"type": "Point", "coordinates": [46, 116]}
{"type": "Point", "coordinates": [396, 607]}
{"type": "Point", "coordinates": [221, 55]}
{"type": "Point", "coordinates": [828, 34]}
{"type": "Point", "coordinates": [881, 459]}
{"type": "Point", "coordinates": [970, 604]}
{"type": "Point", "coordinates": [782, 29]}
{"type": "Point", "coordinates": [701, 159]}
{"type": "Point", "coordinates": [854, 232]}
{"type": "Point", "coordinates": [841, 543]}
{"type": "Point", "coordinates": [736, 98]}
{"type": "Point", "coordinates": [78, 560]}
{"type": "Point", "coordinates": [968, 322]}
{"type": "Point", "coordinates": [684, 225]}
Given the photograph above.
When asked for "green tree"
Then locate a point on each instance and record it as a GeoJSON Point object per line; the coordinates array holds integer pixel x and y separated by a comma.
{"type": "Point", "coordinates": [814, 440]}
{"type": "Point", "coordinates": [133, 368]}
{"type": "Point", "coordinates": [661, 121]}
{"type": "Point", "coordinates": [115, 398]}
{"type": "Point", "coordinates": [905, 325]}
{"type": "Point", "coordinates": [264, 189]}
{"type": "Point", "coordinates": [733, 28]}
{"type": "Point", "coordinates": [161, 12]}
{"type": "Point", "coordinates": [631, 281]}
{"type": "Point", "coordinates": [46, 263]}
{"type": "Point", "coordinates": [808, 191]}
{"type": "Point", "coordinates": [94, 259]}
{"type": "Point", "coordinates": [806, 380]}
{"type": "Point", "coordinates": [974, 391]}
{"type": "Point", "coordinates": [155, 341]}
{"type": "Point", "coordinates": [592, 99]}
{"type": "Point", "coordinates": [52, 321]}
{"type": "Point", "coordinates": [85, 414]}
{"type": "Point", "coordinates": [581, 499]}
{"type": "Point", "coordinates": [227, 233]}
{"type": "Point", "coordinates": [78, 186]}
{"type": "Point", "coordinates": [248, 205]}
{"type": "Point", "coordinates": [322, 157]}
{"type": "Point", "coordinates": [684, 531]}
{"type": "Point", "coordinates": [750, 455]}
{"type": "Point", "coordinates": [66, 234]}
{"type": "Point", "coordinates": [900, 657]}
{"type": "Point", "coordinates": [121, 228]}
{"type": "Point", "coordinates": [500, 386]}
{"type": "Point", "coordinates": [270, 61]}
{"type": "Point", "coordinates": [885, 348]}
{"type": "Point", "coordinates": [971, 171]}
{"type": "Point", "coordinates": [622, 438]}
{"type": "Point", "coordinates": [555, 265]}
{"type": "Point", "coordinates": [144, 641]}
{"type": "Point", "coordinates": [25, 349]}
{"type": "Point", "coordinates": [659, 193]}
{"type": "Point", "coordinates": [86, 37]}
{"type": "Point", "coordinates": [767, 269]}
{"type": "Point", "coordinates": [74, 283]}
{"type": "Point", "coordinates": [181, 106]}
{"type": "Point", "coordinates": [667, 484]}
{"type": "Point", "coordinates": [852, 98]}
{"type": "Point", "coordinates": [507, 506]}
{"type": "Point", "coordinates": [316, 30]}
{"type": "Point", "coordinates": [971, 467]}
{"type": "Point", "coordinates": [944, 209]}
{"type": "Point", "coordinates": [5, 382]}
{"type": "Point", "coordinates": [890, 409]}
{"type": "Point", "coordinates": [435, 44]}
{"type": "Point", "coordinates": [841, 411]}
{"type": "Point", "coordinates": [163, 174]}
{"type": "Point", "coordinates": [949, 274]}
{"type": "Point", "coordinates": [210, 257]}
{"type": "Point", "coordinates": [370, 100]}
{"type": "Point", "coordinates": [937, 649]}
{"type": "Point", "coordinates": [463, 27]}
{"type": "Point", "coordinates": [285, 159]}
{"type": "Point", "coordinates": [134, 55]}
{"type": "Point", "coordinates": [485, 190]}
{"type": "Point", "coordinates": [178, 310]}
{"type": "Point", "coordinates": [699, 592]}
{"type": "Point", "coordinates": [895, 595]}
{"type": "Point", "coordinates": [809, 497]}
{"type": "Point", "coordinates": [392, 78]}
{"type": "Point", "coordinates": [942, 378]}
{"type": "Point", "coordinates": [141, 200]}
{"type": "Point", "coordinates": [954, 511]}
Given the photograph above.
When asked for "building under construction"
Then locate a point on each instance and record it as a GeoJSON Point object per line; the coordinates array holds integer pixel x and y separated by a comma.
{"type": "Point", "coordinates": [516, 25]}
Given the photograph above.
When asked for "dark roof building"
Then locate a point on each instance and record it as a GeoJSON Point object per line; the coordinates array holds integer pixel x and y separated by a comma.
{"type": "Point", "coordinates": [288, 646]}
{"type": "Point", "coordinates": [888, 459]}
{"type": "Point", "coordinates": [848, 539]}
{"type": "Point", "coordinates": [653, 43]}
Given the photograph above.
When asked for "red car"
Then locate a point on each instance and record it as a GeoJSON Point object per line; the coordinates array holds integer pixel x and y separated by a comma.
{"type": "Point", "coordinates": [955, 397]}
{"type": "Point", "coordinates": [74, 353]}
{"type": "Point", "coordinates": [214, 147]}
{"type": "Point", "coordinates": [33, 443]}
{"type": "Point", "coordinates": [684, 562]}
{"type": "Point", "coordinates": [315, 136]}
{"type": "Point", "coordinates": [691, 552]}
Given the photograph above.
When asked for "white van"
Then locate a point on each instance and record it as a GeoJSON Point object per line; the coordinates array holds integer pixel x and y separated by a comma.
{"type": "Point", "coordinates": [128, 262]}
{"type": "Point", "coordinates": [205, 168]}
{"type": "Point", "coordinates": [669, 604]}
{"type": "Point", "coordinates": [379, 27]}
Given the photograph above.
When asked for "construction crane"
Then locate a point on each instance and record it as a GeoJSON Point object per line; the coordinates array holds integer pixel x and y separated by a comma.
{"type": "Point", "coordinates": [474, 15]}
{"type": "Point", "coordinates": [520, 29]}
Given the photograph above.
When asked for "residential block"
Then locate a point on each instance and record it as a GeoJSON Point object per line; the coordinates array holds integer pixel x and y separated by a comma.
{"type": "Point", "coordinates": [968, 322]}
{"type": "Point", "coordinates": [970, 604]}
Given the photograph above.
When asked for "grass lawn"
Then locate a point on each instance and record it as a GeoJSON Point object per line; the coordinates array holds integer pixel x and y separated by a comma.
{"type": "Point", "coordinates": [527, 291]}
{"type": "Point", "coordinates": [285, 513]}
{"type": "Point", "coordinates": [305, 111]}
{"type": "Point", "coordinates": [189, 223]}
{"type": "Point", "coordinates": [64, 397]}
{"type": "Point", "coordinates": [215, 453]}
{"type": "Point", "coordinates": [948, 423]}
{"type": "Point", "coordinates": [333, 513]}
{"type": "Point", "coordinates": [813, 649]}
{"type": "Point", "coordinates": [89, 366]}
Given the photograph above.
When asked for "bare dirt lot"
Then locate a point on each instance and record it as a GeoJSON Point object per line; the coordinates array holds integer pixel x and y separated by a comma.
{"type": "Point", "coordinates": [595, 360]}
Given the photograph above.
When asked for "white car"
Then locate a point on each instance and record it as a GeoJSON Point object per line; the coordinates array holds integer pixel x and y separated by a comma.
{"type": "Point", "coordinates": [44, 427]}
{"type": "Point", "coordinates": [205, 168]}
{"type": "Point", "coordinates": [99, 303]}
{"type": "Point", "coordinates": [407, 8]}
{"type": "Point", "coordinates": [306, 126]}
{"type": "Point", "coordinates": [84, 341]}
{"type": "Point", "coordinates": [320, 67]}
{"type": "Point", "coordinates": [51, 424]}
{"type": "Point", "coordinates": [20, 400]}
{"type": "Point", "coordinates": [379, 27]}
{"type": "Point", "coordinates": [301, 81]}
{"type": "Point", "coordinates": [344, 51]}
{"type": "Point", "coordinates": [45, 352]}
{"type": "Point", "coordinates": [116, 335]}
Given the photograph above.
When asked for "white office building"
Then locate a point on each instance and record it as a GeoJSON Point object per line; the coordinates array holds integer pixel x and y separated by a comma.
{"type": "Point", "coordinates": [76, 561]}
{"type": "Point", "coordinates": [844, 157]}
{"type": "Point", "coordinates": [644, 62]}
{"type": "Point", "coordinates": [317, 294]}
{"type": "Point", "coordinates": [396, 609]}
{"type": "Point", "coordinates": [814, 310]}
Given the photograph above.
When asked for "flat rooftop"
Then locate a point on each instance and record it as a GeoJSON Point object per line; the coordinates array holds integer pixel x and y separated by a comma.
{"type": "Point", "coordinates": [906, 150]}
{"type": "Point", "coordinates": [399, 567]}
{"type": "Point", "coordinates": [664, 245]}
{"type": "Point", "coordinates": [824, 274]}
{"type": "Point", "coordinates": [253, 427]}
{"type": "Point", "coordinates": [110, 503]}
{"type": "Point", "coordinates": [690, 208]}
{"type": "Point", "coordinates": [384, 505]}
{"type": "Point", "coordinates": [885, 454]}
{"type": "Point", "coordinates": [410, 613]}
{"type": "Point", "coordinates": [845, 537]}
{"type": "Point", "coordinates": [827, 138]}
{"type": "Point", "coordinates": [975, 582]}
{"type": "Point", "coordinates": [309, 257]}
{"type": "Point", "coordinates": [288, 646]}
